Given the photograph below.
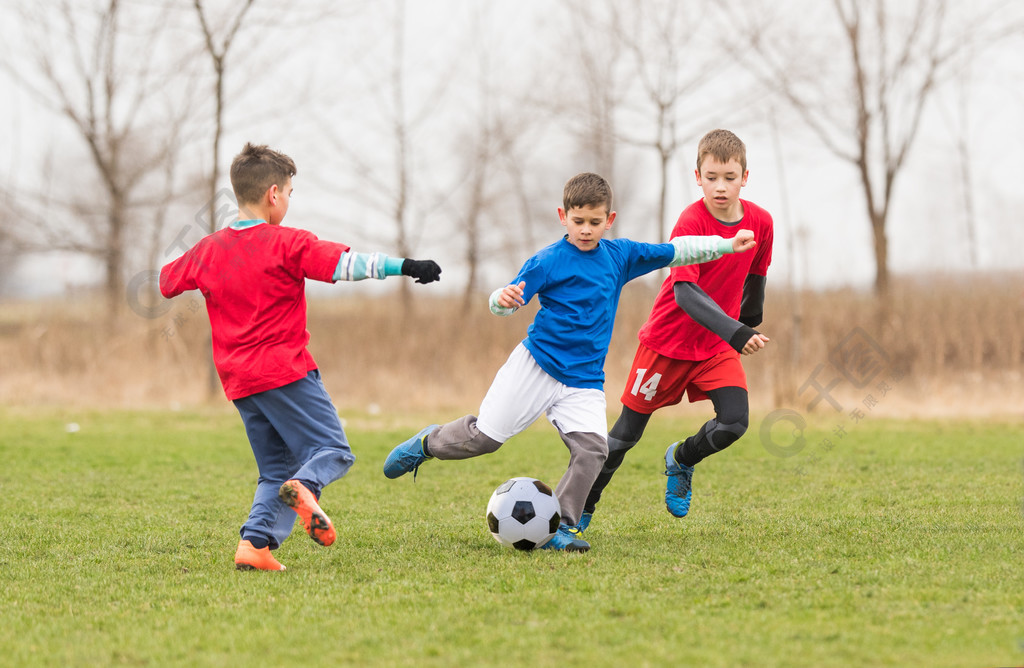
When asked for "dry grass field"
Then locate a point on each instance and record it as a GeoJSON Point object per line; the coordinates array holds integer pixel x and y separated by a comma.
{"type": "Point", "coordinates": [956, 344]}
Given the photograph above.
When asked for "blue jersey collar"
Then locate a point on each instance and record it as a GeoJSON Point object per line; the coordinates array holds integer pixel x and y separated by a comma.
{"type": "Point", "coordinates": [246, 224]}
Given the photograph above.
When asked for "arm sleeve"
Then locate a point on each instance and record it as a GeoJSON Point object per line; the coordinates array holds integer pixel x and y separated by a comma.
{"type": "Point", "coordinates": [360, 266]}
{"type": "Point", "coordinates": [752, 306]}
{"type": "Point", "coordinates": [699, 249]}
{"type": "Point", "coordinates": [706, 313]}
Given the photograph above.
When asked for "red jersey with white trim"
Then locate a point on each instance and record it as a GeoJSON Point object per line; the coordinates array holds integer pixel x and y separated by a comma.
{"type": "Point", "coordinates": [669, 331]}
{"type": "Point", "coordinates": [253, 280]}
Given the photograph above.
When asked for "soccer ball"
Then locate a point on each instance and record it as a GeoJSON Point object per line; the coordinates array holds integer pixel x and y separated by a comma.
{"type": "Point", "coordinates": [523, 513]}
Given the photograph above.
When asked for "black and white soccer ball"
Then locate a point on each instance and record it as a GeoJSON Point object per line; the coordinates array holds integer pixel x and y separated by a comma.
{"type": "Point", "coordinates": [523, 513]}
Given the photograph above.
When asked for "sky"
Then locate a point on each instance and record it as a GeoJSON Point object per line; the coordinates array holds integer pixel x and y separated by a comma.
{"type": "Point", "coordinates": [822, 234]}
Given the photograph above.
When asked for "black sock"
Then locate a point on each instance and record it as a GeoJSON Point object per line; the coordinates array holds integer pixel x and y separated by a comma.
{"type": "Point", "coordinates": [694, 449]}
{"type": "Point", "coordinates": [680, 454]}
{"type": "Point", "coordinates": [426, 453]}
{"type": "Point", "coordinates": [259, 543]}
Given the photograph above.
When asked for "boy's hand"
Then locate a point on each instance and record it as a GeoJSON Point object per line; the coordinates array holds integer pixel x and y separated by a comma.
{"type": "Point", "coordinates": [743, 241]}
{"type": "Point", "coordinates": [511, 296]}
{"type": "Point", "coordinates": [755, 343]}
{"type": "Point", "coordinates": [424, 271]}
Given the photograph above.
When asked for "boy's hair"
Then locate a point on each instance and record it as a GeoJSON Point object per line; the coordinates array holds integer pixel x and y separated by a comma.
{"type": "Point", "coordinates": [587, 189]}
{"type": "Point", "coordinates": [723, 146]}
{"type": "Point", "coordinates": [257, 168]}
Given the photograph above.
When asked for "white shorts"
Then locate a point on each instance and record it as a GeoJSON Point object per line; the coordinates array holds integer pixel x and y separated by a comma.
{"type": "Point", "coordinates": [521, 392]}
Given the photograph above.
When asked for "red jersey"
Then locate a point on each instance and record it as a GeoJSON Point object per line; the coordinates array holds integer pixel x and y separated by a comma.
{"type": "Point", "coordinates": [253, 280]}
{"type": "Point", "coordinates": [669, 331]}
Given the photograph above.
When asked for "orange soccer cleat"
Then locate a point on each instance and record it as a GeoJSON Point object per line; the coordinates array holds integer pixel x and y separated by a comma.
{"type": "Point", "coordinates": [302, 501]}
{"type": "Point", "coordinates": [248, 558]}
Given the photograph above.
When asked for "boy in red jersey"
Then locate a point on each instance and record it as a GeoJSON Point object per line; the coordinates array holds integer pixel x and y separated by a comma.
{"type": "Point", "coordinates": [252, 275]}
{"type": "Point", "coordinates": [701, 321]}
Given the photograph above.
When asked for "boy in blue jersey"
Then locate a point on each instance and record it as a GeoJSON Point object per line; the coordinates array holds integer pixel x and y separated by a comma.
{"type": "Point", "coordinates": [558, 370]}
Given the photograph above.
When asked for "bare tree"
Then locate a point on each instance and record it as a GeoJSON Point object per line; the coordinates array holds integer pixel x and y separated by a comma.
{"type": "Point", "coordinates": [958, 122]}
{"type": "Point", "coordinates": [479, 146]}
{"type": "Point", "coordinates": [387, 180]}
{"type": "Point", "coordinates": [669, 68]}
{"type": "Point", "coordinates": [645, 85]}
{"type": "Point", "coordinates": [218, 49]}
{"type": "Point", "coordinates": [602, 79]}
{"type": "Point", "coordinates": [9, 247]}
{"type": "Point", "coordinates": [863, 90]}
{"type": "Point", "coordinates": [488, 179]}
{"type": "Point", "coordinates": [85, 66]}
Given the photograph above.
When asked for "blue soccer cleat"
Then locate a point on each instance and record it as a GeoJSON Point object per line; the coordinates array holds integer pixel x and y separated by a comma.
{"type": "Point", "coordinates": [567, 538]}
{"type": "Point", "coordinates": [408, 455]}
{"type": "Point", "coordinates": [678, 489]}
{"type": "Point", "coordinates": [584, 521]}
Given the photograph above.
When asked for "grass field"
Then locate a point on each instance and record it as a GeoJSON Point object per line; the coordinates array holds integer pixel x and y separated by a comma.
{"type": "Point", "coordinates": [901, 546]}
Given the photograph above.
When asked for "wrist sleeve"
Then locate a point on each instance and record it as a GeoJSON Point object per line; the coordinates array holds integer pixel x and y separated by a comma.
{"type": "Point", "coordinates": [740, 338]}
{"type": "Point", "coordinates": [360, 266]}
{"type": "Point", "coordinates": [698, 249]}
{"type": "Point", "coordinates": [496, 308]}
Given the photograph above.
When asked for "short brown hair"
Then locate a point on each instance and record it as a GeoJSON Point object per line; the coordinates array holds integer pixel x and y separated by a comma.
{"type": "Point", "coordinates": [587, 189]}
{"type": "Point", "coordinates": [257, 168]}
{"type": "Point", "coordinates": [723, 146]}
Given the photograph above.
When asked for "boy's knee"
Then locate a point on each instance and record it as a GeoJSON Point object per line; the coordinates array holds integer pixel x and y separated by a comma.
{"type": "Point", "coordinates": [343, 454]}
{"type": "Point", "coordinates": [732, 418]}
{"type": "Point", "coordinates": [723, 434]}
{"type": "Point", "coordinates": [484, 444]}
{"type": "Point", "coordinates": [589, 445]}
{"type": "Point", "coordinates": [618, 446]}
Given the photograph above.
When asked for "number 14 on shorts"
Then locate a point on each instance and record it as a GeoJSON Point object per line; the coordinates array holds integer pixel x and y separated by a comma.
{"type": "Point", "coordinates": [648, 388]}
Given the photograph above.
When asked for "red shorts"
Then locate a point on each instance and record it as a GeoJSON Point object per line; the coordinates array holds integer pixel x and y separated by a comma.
{"type": "Point", "coordinates": [657, 381]}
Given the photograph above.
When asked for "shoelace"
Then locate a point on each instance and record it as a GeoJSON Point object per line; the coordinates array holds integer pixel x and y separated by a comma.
{"type": "Point", "coordinates": [679, 471]}
{"type": "Point", "coordinates": [416, 469]}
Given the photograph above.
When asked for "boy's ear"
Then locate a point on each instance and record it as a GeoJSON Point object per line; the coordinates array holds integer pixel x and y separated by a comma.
{"type": "Point", "coordinates": [696, 174]}
{"type": "Point", "coordinates": [611, 219]}
{"type": "Point", "coordinates": [271, 195]}
{"type": "Point", "coordinates": [561, 216]}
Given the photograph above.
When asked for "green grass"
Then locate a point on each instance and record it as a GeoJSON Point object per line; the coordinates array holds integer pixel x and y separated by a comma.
{"type": "Point", "coordinates": [901, 546]}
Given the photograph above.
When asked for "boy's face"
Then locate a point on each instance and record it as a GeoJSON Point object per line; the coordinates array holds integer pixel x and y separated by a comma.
{"type": "Point", "coordinates": [586, 225]}
{"type": "Point", "coordinates": [721, 183]}
{"type": "Point", "coordinates": [278, 200]}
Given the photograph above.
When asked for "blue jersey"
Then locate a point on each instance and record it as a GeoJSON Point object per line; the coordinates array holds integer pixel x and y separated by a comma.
{"type": "Point", "coordinates": [579, 296]}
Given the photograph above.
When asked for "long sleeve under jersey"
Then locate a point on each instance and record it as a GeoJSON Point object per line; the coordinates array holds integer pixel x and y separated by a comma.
{"type": "Point", "coordinates": [705, 312]}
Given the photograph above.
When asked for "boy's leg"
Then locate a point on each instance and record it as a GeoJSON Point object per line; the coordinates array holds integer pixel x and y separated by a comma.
{"type": "Point", "coordinates": [720, 378]}
{"type": "Point", "coordinates": [306, 422]}
{"type": "Point", "coordinates": [654, 382]}
{"type": "Point", "coordinates": [624, 434]}
{"type": "Point", "coordinates": [587, 454]}
{"type": "Point", "coordinates": [715, 435]}
{"type": "Point", "coordinates": [729, 424]}
{"type": "Point", "coordinates": [520, 392]}
{"type": "Point", "coordinates": [459, 439]}
{"type": "Point", "coordinates": [270, 521]}
{"type": "Point", "coordinates": [581, 419]}
{"type": "Point", "coordinates": [303, 414]}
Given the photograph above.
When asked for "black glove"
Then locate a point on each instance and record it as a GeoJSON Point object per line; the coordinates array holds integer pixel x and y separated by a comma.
{"type": "Point", "coordinates": [424, 271]}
